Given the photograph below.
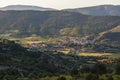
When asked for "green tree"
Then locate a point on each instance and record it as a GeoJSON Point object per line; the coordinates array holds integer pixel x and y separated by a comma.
{"type": "Point", "coordinates": [117, 69]}
{"type": "Point", "coordinates": [31, 76]}
{"type": "Point", "coordinates": [74, 72]}
{"type": "Point", "coordinates": [91, 76]}
{"type": "Point", "coordinates": [110, 78]}
{"type": "Point", "coordinates": [85, 69]}
{"type": "Point", "coordinates": [99, 69]}
{"type": "Point", "coordinates": [61, 78]}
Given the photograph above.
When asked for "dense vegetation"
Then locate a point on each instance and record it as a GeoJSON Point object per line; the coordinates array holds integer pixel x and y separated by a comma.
{"type": "Point", "coordinates": [27, 65]}
{"type": "Point", "coordinates": [23, 63]}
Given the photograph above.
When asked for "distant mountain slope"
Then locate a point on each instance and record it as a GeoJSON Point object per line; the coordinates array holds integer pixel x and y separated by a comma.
{"type": "Point", "coordinates": [111, 37]}
{"type": "Point", "coordinates": [25, 7]}
{"type": "Point", "coordinates": [101, 10]}
{"type": "Point", "coordinates": [54, 23]}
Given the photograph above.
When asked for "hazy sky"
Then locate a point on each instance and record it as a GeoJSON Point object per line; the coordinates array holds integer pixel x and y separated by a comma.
{"type": "Point", "coordinates": [59, 4]}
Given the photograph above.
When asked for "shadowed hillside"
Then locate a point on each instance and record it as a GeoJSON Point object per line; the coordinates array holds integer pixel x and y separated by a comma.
{"type": "Point", "coordinates": [52, 23]}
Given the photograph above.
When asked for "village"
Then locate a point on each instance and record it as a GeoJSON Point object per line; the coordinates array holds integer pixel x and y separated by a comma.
{"type": "Point", "coordinates": [37, 45]}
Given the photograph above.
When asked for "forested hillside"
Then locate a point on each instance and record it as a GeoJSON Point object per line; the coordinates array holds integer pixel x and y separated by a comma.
{"type": "Point", "coordinates": [52, 23]}
{"type": "Point", "coordinates": [16, 63]}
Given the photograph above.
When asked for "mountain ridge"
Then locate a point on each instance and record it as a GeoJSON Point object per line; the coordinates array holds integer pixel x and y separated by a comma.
{"type": "Point", "coordinates": [26, 7]}
{"type": "Point", "coordinates": [100, 10]}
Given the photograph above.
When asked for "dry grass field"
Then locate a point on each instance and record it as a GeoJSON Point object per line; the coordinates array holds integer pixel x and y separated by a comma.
{"type": "Point", "coordinates": [94, 54]}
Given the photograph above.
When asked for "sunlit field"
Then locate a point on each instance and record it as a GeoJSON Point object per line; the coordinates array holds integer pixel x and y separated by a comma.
{"type": "Point", "coordinates": [94, 54]}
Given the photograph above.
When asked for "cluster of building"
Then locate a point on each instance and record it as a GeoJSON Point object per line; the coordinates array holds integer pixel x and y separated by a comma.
{"type": "Point", "coordinates": [79, 41]}
{"type": "Point", "coordinates": [59, 44]}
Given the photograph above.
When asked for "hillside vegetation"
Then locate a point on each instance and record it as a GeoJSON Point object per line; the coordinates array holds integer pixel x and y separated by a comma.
{"type": "Point", "coordinates": [110, 37]}
{"type": "Point", "coordinates": [53, 23]}
{"type": "Point", "coordinates": [19, 64]}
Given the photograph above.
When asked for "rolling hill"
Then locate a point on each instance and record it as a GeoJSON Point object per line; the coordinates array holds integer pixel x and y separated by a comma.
{"type": "Point", "coordinates": [54, 23]}
{"type": "Point", "coordinates": [111, 37]}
